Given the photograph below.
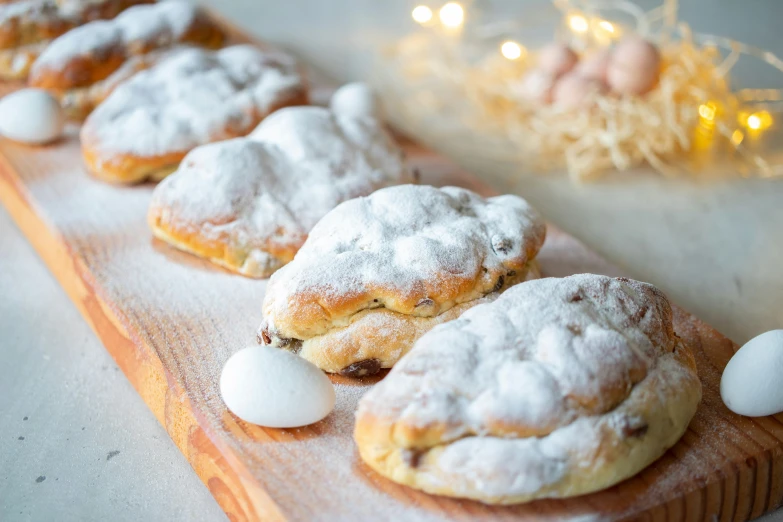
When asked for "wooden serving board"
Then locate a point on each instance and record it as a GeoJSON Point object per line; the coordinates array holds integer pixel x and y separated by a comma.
{"type": "Point", "coordinates": [171, 320]}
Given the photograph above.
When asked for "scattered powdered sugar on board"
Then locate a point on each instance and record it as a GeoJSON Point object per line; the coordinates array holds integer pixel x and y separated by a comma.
{"type": "Point", "coordinates": [194, 316]}
{"type": "Point", "coordinates": [192, 97]}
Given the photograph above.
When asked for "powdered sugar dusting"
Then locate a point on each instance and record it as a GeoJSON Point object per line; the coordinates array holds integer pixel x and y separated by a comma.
{"type": "Point", "coordinates": [193, 317]}
{"type": "Point", "coordinates": [541, 353]}
{"type": "Point", "coordinates": [525, 382]}
{"type": "Point", "coordinates": [190, 98]}
{"type": "Point", "coordinates": [262, 194]}
{"type": "Point", "coordinates": [398, 248]}
{"type": "Point", "coordinates": [154, 25]}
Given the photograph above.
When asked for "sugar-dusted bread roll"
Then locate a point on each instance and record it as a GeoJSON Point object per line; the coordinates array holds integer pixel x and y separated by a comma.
{"type": "Point", "coordinates": [28, 26]}
{"type": "Point", "coordinates": [193, 97]}
{"type": "Point", "coordinates": [248, 204]}
{"type": "Point", "coordinates": [377, 272]}
{"type": "Point", "coordinates": [91, 53]}
{"type": "Point", "coordinates": [558, 388]}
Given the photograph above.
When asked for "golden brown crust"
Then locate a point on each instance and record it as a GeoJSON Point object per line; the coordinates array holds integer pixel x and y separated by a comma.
{"type": "Point", "coordinates": [127, 168]}
{"type": "Point", "coordinates": [559, 388]}
{"type": "Point", "coordinates": [383, 336]}
{"type": "Point", "coordinates": [310, 312]}
{"type": "Point", "coordinates": [187, 236]}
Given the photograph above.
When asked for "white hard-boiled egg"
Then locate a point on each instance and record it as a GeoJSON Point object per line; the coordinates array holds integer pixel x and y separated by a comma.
{"type": "Point", "coordinates": [31, 116]}
{"type": "Point", "coordinates": [275, 388]}
{"type": "Point", "coordinates": [556, 59]}
{"type": "Point", "coordinates": [634, 67]}
{"type": "Point", "coordinates": [752, 382]}
{"type": "Point", "coordinates": [356, 99]}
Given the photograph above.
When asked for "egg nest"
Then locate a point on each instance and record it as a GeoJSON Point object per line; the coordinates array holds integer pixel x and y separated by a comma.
{"type": "Point", "coordinates": [431, 89]}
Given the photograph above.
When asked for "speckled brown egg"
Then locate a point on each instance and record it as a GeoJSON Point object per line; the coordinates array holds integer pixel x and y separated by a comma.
{"type": "Point", "coordinates": [634, 67]}
{"type": "Point", "coordinates": [557, 59]}
{"type": "Point", "coordinates": [595, 65]}
{"type": "Point", "coordinates": [536, 86]}
{"type": "Point", "coordinates": [573, 90]}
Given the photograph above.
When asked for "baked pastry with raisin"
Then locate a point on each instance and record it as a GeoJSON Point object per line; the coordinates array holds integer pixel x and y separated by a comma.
{"type": "Point", "coordinates": [558, 388]}
{"type": "Point", "coordinates": [378, 272]}
{"type": "Point", "coordinates": [248, 204]}
{"type": "Point", "coordinates": [193, 97]}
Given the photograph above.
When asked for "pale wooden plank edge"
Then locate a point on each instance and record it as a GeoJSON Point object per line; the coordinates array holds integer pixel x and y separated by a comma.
{"type": "Point", "coordinates": [223, 472]}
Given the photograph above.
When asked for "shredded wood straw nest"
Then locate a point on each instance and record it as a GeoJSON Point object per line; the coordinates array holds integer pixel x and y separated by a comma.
{"type": "Point", "coordinates": [429, 82]}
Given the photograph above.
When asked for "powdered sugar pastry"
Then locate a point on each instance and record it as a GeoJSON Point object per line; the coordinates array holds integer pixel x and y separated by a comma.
{"type": "Point", "coordinates": [558, 388]}
{"type": "Point", "coordinates": [408, 253]}
{"type": "Point", "coordinates": [190, 98]}
{"type": "Point", "coordinates": [249, 203]}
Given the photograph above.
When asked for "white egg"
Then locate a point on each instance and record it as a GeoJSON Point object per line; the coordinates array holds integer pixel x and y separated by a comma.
{"type": "Point", "coordinates": [752, 381]}
{"type": "Point", "coordinates": [356, 99]}
{"type": "Point", "coordinates": [557, 59]}
{"type": "Point", "coordinates": [31, 116]}
{"type": "Point", "coordinates": [634, 67]}
{"type": "Point", "coordinates": [275, 388]}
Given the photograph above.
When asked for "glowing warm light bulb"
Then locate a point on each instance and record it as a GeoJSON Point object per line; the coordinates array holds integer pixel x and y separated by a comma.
{"type": "Point", "coordinates": [578, 23]}
{"type": "Point", "coordinates": [606, 26]}
{"type": "Point", "coordinates": [759, 120]}
{"type": "Point", "coordinates": [511, 50]}
{"type": "Point", "coordinates": [451, 14]}
{"type": "Point", "coordinates": [421, 14]}
{"type": "Point", "coordinates": [707, 111]}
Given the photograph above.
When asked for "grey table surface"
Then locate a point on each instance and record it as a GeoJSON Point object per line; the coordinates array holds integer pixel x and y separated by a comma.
{"type": "Point", "coordinates": [77, 443]}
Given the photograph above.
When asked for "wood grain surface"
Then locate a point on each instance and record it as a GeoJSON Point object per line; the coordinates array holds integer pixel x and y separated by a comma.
{"type": "Point", "coordinates": [171, 320]}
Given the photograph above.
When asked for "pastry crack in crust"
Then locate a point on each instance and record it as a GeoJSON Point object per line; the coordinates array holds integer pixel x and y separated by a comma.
{"type": "Point", "coordinates": [559, 387]}
{"type": "Point", "coordinates": [248, 204]}
{"type": "Point", "coordinates": [378, 272]}
{"type": "Point", "coordinates": [190, 98]}
{"type": "Point", "coordinates": [91, 53]}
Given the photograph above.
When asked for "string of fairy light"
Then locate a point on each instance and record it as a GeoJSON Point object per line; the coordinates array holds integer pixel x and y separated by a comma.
{"type": "Point", "coordinates": [452, 15]}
